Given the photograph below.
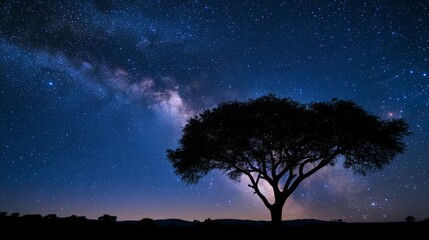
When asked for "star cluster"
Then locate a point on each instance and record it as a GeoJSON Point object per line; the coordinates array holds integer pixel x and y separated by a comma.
{"type": "Point", "coordinates": [92, 93]}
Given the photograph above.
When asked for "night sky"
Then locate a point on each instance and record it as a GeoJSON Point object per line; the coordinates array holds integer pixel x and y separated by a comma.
{"type": "Point", "coordinates": [92, 93]}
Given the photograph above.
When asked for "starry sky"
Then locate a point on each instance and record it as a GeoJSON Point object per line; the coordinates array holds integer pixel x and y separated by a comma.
{"type": "Point", "coordinates": [92, 93]}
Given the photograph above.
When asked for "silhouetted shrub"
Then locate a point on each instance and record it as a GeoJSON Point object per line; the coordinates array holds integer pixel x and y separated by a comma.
{"type": "Point", "coordinates": [15, 215]}
{"type": "Point", "coordinates": [410, 219]}
{"type": "Point", "coordinates": [211, 223]}
{"type": "Point", "coordinates": [106, 218]}
{"type": "Point", "coordinates": [148, 223]}
{"type": "Point", "coordinates": [3, 214]}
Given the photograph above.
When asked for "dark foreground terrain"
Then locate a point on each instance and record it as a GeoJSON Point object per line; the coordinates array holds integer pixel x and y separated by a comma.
{"type": "Point", "coordinates": [37, 227]}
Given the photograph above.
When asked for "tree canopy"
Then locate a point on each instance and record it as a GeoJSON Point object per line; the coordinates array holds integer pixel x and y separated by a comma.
{"type": "Point", "coordinates": [283, 142]}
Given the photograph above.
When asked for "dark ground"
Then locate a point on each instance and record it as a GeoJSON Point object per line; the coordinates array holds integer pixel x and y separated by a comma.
{"type": "Point", "coordinates": [38, 227]}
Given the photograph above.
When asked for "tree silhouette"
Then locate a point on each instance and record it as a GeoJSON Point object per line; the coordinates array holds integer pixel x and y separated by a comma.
{"type": "Point", "coordinates": [148, 223]}
{"type": "Point", "coordinates": [106, 218]}
{"type": "Point", "coordinates": [15, 214]}
{"type": "Point", "coordinates": [410, 219]}
{"type": "Point", "coordinates": [282, 142]}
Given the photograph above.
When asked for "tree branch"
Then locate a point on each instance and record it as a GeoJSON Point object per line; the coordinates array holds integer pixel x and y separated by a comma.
{"type": "Point", "coordinates": [290, 167]}
{"type": "Point", "coordinates": [248, 172]}
{"type": "Point", "coordinates": [240, 169]}
{"type": "Point", "coordinates": [289, 179]}
{"type": "Point", "coordinates": [254, 185]}
{"type": "Point", "coordinates": [302, 165]}
{"type": "Point", "coordinates": [303, 175]}
{"type": "Point", "coordinates": [263, 172]}
{"type": "Point", "coordinates": [288, 156]}
{"type": "Point", "coordinates": [264, 168]}
{"type": "Point", "coordinates": [273, 165]}
{"type": "Point", "coordinates": [283, 172]}
{"type": "Point", "coordinates": [257, 179]}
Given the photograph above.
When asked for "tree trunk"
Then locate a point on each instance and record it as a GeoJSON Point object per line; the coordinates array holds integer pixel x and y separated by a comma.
{"type": "Point", "coordinates": [276, 214]}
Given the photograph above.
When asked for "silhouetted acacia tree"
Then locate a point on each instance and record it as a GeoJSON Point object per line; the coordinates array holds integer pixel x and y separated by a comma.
{"type": "Point", "coordinates": [410, 219]}
{"type": "Point", "coordinates": [283, 142]}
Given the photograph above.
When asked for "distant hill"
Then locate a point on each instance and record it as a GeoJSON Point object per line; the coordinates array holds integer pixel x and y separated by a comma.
{"type": "Point", "coordinates": [75, 227]}
{"type": "Point", "coordinates": [174, 222]}
{"type": "Point", "coordinates": [231, 222]}
{"type": "Point", "coordinates": [298, 222]}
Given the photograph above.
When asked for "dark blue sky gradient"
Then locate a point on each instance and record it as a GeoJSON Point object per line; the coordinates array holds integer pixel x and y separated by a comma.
{"type": "Point", "coordinates": [92, 93]}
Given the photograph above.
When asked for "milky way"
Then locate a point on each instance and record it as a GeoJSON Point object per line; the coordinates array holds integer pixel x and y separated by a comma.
{"type": "Point", "coordinates": [92, 93]}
